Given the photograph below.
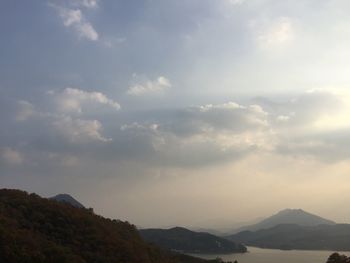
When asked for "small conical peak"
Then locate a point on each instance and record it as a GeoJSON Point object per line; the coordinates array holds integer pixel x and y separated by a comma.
{"type": "Point", "coordinates": [290, 210]}
{"type": "Point", "coordinates": [66, 198]}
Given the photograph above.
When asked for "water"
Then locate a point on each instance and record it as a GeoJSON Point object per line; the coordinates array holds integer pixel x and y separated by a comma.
{"type": "Point", "coordinates": [259, 255]}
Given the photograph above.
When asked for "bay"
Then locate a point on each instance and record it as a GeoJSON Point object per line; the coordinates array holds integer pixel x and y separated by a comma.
{"type": "Point", "coordinates": [259, 255]}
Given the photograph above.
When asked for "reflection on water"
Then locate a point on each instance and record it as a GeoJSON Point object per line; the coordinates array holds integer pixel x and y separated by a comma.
{"type": "Point", "coordinates": [258, 255]}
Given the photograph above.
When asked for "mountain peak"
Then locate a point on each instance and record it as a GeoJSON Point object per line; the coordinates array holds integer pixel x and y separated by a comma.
{"type": "Point", "coordinates": [295, 216]}
{"type": "Point", "coordinates": [66, 198]}
{"type": "Point", "coordinates": [291, 211]}
{"type": "Point", "coordinates": [289, 216]}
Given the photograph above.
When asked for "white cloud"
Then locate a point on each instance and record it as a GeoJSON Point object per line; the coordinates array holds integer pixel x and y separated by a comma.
{"type": "Point", "coordinates": [70, 16]}
{"type": "Point", "coordinates": [231, 116]}
{"type": "Point", "coordinates": [228, 106]}
{"type": "Point", "coordinates": [74, 18]}
{"type": "Point", "coordinates": [12, 156]}
{"type": "Point", "coordinates": [150, 87]}
{"type": "Point", "coordinates": [69, 114]}
{"type": "Point", "coordinates": [80, 131]}
{"type": "Point", "coordinates": [86, 3]}
{"type": "Point", "coordinates": [73, 100]}
{"type": "Point", "coordinates": [71, 111]}
{"type": "Point", "coordinates": [86, 30]}
{"type": "Point", "coordinates": [136, 126]}
{"type": "Point", "coordinates": [277, 33]}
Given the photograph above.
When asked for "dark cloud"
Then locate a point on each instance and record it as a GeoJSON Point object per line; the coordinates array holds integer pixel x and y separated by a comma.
{"type": "Point", "coordinates": [328, 147]}
{"type": "Point", "coordinates": [187, 137]}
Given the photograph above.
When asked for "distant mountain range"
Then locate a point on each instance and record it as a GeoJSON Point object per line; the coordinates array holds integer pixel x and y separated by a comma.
{"type": "Point", "coordinates": [66, 198]}
{"type": "Point", "coordinates": [292, 236]}
{"type": "Point", "coordinates": [295, 229]}
{"type": "Point", "coordinates": [184, 240]}
{"type": "Point", "coordinates": [288, 216]}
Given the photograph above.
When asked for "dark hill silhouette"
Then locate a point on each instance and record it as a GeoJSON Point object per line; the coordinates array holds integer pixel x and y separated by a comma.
{"type": "Point", "coordinates": [182, 239]}
{"type": "Point", "coordinates": [337, 258]}
{"type": "Point", "coordinates": [66, 198]}
{"type": "Point", "coordinates": [288, 236]}
{"type": "Point", "coordinates": [35, 229]}
{"type": "Point", "coordinates": [288, 216]}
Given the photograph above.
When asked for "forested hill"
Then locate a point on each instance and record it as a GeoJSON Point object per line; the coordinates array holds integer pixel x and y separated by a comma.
{"type": "Point", "coordinates": [182, 239]}
{"type": "Point", "coordinates": [35, 229]}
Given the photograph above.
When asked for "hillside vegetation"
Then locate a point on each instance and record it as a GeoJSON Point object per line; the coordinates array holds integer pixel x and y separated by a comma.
{"type": "Point", "coordinates": [184, 240]}
{"type": "Point", "coordinates": [35, 229]}
{"type": "Point", "coordinates": [337, 258]}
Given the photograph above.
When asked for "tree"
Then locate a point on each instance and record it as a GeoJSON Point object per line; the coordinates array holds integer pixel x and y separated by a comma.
{"type": "Point", "coordinates": [337, 258]}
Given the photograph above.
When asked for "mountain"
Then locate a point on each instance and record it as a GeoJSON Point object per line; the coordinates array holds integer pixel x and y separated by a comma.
{"type": "Point", "coordinates": [184, 240]}
{"type": "Point", "coordinates": [291, 236]}
{"type": "Point", "coordinates": [66, 198]}
{"type": "Point", "coordinates": [212, 231]}
{"type": "Point", "coordinates": [35, 229]}
{"type": "Point", "coordinates": [288, 216]}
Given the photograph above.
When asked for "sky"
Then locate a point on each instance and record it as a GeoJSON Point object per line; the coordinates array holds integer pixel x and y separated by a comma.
{"type": "Point", "coordinates": [199, 113]}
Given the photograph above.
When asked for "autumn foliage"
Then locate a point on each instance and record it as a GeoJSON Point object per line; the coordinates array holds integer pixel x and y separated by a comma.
{"type": "Point", "coordinates": [35, 229]}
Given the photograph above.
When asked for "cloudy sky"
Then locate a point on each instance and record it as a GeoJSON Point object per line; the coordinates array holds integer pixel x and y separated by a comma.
{"type": "Point", "coordinates": [189, 112]}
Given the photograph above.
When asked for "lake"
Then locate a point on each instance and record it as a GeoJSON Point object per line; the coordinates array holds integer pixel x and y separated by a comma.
{"type": "Point", "coordinates": [259, 255]}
